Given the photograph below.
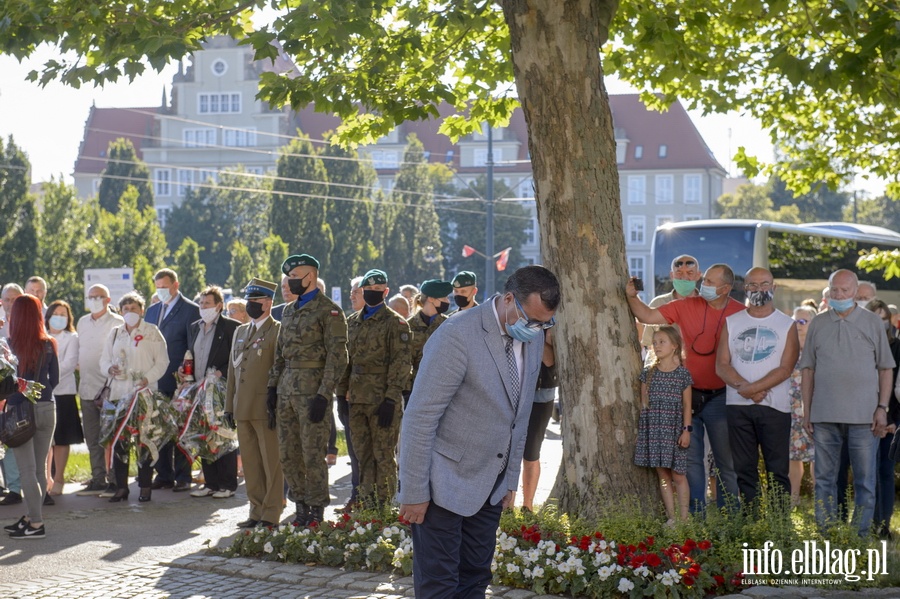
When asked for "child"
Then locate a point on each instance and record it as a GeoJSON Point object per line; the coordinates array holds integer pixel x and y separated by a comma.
{"type": "Point", "coordinates": [664, 428]}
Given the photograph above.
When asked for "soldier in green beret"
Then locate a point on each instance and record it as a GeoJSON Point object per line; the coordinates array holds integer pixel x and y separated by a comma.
{"type": "Point", "coordinates": [431, 310]}
{"type": "Point", "coordinates": [373, 383]}
{"type": "Point", "coordinates": [310, 359]}
{"type": "Point", "coordinates": [464, 290]}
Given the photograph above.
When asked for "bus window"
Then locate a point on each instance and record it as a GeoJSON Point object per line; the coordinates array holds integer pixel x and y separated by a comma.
{"type": "Point", "coordinates": [731, 245]}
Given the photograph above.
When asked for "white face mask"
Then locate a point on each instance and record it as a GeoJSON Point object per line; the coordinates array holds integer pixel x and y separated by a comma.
{"type": "Point", "coordinates": [132, 318]}
{"type": "Point", "coordinates": [863, 303]}
{"type": "Point", "coordinates": [163, 294]}
{"type": "Point", "coordinates": [208, 314]}
{"type": "Point", "coordinates": [94, 305]}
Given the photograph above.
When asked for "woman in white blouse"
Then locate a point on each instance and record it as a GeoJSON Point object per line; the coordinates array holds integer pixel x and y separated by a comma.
{"type": "Point", "coordinates": [59, 321]}
{"type": "Point", "coordinates": [134, 356]}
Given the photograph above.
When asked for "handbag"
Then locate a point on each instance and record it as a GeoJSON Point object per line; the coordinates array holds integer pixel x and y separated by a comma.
{"type": "Point", "coordinates": [699, 399]}
{"type": "Point", "coordinates": [17, 425]}
{"type": "Point", "coordinates": [8, 386]}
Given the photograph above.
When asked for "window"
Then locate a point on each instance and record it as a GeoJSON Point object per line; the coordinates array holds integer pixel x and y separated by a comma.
{"type": "Point", "coordinates": [689, 217]}
{"type": "Point", "coordinates": [449, 157]}
{"type": "Point", "coordinates": [637, 189]}
{"type": "Point", "coordinates": [636, 267]}
{"type": "Point", "coordinates": [239, 137]}
{"type": "Point", "coordinates": [621, 149]}
{"type": "Point", "coordinates": [526, 188]}
{"type": "Point", "coordinates": [227, 103]}
{"type": "Point", "coordinates": [199, 138]}
{"type": "Point", "coordinates": [664, 189]}
{"type": "Point", "coordinates": [480, 157]}
{"type": "Point", "coordinates": [384, 159]}
{"type": "Point", "coordinates": [692, 189]}
{"type": "Point", "coordinates": [638, 152]}
{"type": "Point", "coordinates": [185, 181]}
{"type": "Point", "coordinates": [663, 150]}
{"type": "Point", "coordinates": [531, 231]}
{"type": "Point", "coordinates": [95, 185]}
{"type": "Point", "coordinates": [219, 67]}
{"type": "Point", "coordinates": [162, 179]}
{"type": "Point", "coordinates": [636, 228]}
{"type": "Point", "coordinates": [664, 220]}
{"type": "Point", "coordinates": [162, 215]}
{"type": "Point", "coordinates": [206, 177]}
{"type": "Point", "coordinates": [390, 138]}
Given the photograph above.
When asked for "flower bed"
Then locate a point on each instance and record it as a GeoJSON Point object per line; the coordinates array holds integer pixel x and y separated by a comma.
{"type": "Point", "coordinates": [525, 557]}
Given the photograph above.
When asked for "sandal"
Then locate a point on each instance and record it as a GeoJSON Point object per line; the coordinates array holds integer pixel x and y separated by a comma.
{"type": "Point", "coordinates": [56, 489]}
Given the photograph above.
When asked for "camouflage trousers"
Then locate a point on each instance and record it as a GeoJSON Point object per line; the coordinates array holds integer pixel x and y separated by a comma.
{"type": "Point", "coordinates": [375, 449]}
{"type": "Point", "coordinates": [302, 447]}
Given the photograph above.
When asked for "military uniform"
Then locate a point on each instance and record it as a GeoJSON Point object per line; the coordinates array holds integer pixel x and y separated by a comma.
{"type": "Point", "coordinates": [378, 369]}
{"type": "Point", "coordinates": [245, 397]}
{"type": "Point", "coordinates": [420, 332]}
{"type": "Point", "coordinates": [310, 358]}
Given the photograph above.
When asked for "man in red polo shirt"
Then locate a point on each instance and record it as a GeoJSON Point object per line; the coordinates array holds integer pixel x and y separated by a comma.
{"type": "Point", "coordinates": [700, 319]}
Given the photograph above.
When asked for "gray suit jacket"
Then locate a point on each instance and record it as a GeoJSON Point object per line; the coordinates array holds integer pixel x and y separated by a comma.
{"type": "Point", "coordinates": [460, 418]}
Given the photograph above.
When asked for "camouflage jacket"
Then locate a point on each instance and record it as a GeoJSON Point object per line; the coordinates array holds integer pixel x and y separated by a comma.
{"type": "Point", "coordinates": [420, 334]}
{"type": "Point", "coordinates": [311, 354]}
{"type": "Point", "coordinates": [379, 364]}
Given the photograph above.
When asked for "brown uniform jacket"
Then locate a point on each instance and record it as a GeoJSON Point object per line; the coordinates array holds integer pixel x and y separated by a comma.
{"type": "Point", "coordinates": [248, 370]}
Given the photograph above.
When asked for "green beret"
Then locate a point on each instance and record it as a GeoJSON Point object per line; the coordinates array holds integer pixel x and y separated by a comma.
{"type": "Point", "coordinates": [374, 277]}
{"type": "Point", "coordinates": [465, 278]}
{"type": "Point", "coordinates": [258, 288]}
{"type": "Point", "coordinates": [436, 288]}
{"type": "Point", "coordinates": [294, 261]}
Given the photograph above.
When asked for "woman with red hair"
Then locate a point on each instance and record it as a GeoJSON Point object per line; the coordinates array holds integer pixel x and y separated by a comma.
{"type": "Point", "coordinates": [36, 352]}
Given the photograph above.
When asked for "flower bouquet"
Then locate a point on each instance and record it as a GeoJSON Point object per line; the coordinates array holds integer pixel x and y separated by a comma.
{"type": "Point", "coordinates": [203, 431]}
{"type": "Point", "coordinates": [9, 381]}
{"type": "Point", "coordinates": [142, 419]}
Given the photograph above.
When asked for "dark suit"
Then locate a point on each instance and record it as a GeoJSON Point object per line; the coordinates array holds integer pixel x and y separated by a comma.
{"type": "Point", "coordinates": [172, 466]}
{"type": "Point", "coordinates": [221, 474]}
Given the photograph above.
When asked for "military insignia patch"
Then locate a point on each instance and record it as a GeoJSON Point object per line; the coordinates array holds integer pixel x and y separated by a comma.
{"type": "Point", "coordinates": [404, 336]}
{"type": "Point", "coordinates": [334, 312]}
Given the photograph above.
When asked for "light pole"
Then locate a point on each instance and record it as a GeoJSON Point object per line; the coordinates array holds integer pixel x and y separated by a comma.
{"type": "Point", "coordinates": [489, 227]}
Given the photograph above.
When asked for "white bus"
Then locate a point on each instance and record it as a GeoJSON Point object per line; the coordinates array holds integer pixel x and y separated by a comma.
{"type": "Point", "coordinates": [801, 257]}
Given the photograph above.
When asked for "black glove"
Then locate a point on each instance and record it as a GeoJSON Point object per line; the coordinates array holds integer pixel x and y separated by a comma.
{"type": "Point", "coordinates": [343, 407]}
{"type": "Point", "coordinates": [315, 409]}
{"type": "Point", "coordinates": [228, 419]}
{"type": "Point", "coordinates": [271, 405]}
{"type": "Point", "coordinates": [385, 412]}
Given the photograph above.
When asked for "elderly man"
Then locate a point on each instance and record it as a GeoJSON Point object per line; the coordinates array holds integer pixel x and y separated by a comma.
{"type": "Point", "coordinates": [865, 293]}
{"type": "Point", "coordinates": [288, 296]}
{"type": "Point", "coordinates": [700, 319]}
{"type": "Point", "coordinates": [758, 349]}
{"type": "Point", "coordinates": [847, 377]}
{"type": "Point", "coordinates": [10, 469]}
{"type": "Point", "coordinates": [7, 296]}
{"type": "Point", "coordinates": [685, 272]}
{"type": "Point", "coordinates": [37, 287]}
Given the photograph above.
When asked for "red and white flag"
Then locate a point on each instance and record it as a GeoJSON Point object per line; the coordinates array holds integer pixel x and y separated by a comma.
{"type": "Point", "coordinates": [503, 259]}
{"type": "Point", "coordinates": [468, 251]}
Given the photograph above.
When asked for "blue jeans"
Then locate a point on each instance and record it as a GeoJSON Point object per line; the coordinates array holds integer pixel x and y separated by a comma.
{"type": "Point", "coordinates": [714, 421]}
{"type": "Point", "coordinates": [829, 439]}
{"type": "Point", "coordinates": [11, 472]}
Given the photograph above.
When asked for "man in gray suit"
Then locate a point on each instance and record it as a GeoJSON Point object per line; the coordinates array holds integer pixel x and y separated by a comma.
{"type": "Point", "coordinates": [463, 434]}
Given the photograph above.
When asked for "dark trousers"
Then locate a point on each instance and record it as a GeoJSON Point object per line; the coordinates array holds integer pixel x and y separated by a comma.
{"type": "Point", "coordinates": [344, 417]}
{"type": "Point", "coordinates": [172, 466]}
{"type": "Point", "coordinates": [751, 428]}
{"type": "Point", "coordinates": [453, 554]}
{"type": "Point", "coordinates": [121, 458]}
{"type": "Point", "coordinates": [221, 475]}
{"type": "Point", "coordinates": [884, 484]}
{"type": "Point", "coordinates": [332, 439]}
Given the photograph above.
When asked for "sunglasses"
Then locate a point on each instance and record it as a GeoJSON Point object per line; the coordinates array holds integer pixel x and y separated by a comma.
{"type": "Point", "coordinates": [681, 263]}
{"type": "Point", "coordinates": [801, 321]}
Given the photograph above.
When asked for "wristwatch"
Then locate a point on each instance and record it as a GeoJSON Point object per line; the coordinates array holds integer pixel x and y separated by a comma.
{"type": "Point", "coordinates": [689, 428]}
{"type": "Point", "coordinates": [885, 408]}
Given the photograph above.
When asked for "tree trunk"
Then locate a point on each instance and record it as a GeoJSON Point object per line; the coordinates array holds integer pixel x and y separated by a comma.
{"type": "Point", "coordinates": [555, 50]}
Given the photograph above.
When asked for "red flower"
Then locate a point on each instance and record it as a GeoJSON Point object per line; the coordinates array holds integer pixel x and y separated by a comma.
{"type": "Point", "coordinates": [694, 570]}
{"type": "Point", "coordinates": [22, 383]}
{"type": "Point", "coordinates": [650, 541]}
{"type": "Point", "coordinates": [704, 545]}
{"type": "Point", "coordinates": [585, 543]}
{"type": "Point", "coordinates": [653, 560]}
{"type": "Point", "coordinates": [687, 580]}
{"type": "Point", "coordinates": [598, 535]}
{"type": "Point", "coordinates": [719, 580]}
{"type": "Point", "coordinates": [689, 545]}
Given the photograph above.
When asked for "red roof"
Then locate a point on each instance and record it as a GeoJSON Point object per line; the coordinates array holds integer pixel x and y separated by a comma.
{"type": "Point", "coordinates": [105, 125]}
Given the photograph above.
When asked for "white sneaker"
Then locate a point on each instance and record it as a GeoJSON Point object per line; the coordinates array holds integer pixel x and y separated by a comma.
{"type": "Point", "coordinates": [202, 492]}
{"type": "Point", "coordinates": [223, 494]}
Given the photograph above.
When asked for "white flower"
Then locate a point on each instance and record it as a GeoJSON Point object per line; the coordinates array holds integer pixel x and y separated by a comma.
{"type": "Point", "coordinates": [537, 572]}
{"type": "Point", "coordinates": [643, 571]}
{"type": "Point", "coordinates": [268, 548]}
{"type": "Point", "coordinates": [512, 568]}
{"type": "Point", "coordinates": [625, 585]}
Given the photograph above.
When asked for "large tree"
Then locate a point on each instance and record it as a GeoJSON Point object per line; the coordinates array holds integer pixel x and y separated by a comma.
{"type": "Point", "coordinates": [18, 231]}
{"type": "Point", "coordinates": [124, 169]}
{"type": "Point", "coordinates": [817, 73]}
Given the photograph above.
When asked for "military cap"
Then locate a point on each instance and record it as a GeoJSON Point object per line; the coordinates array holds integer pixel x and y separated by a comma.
{"type": "Point", "coordinates": [259, 288]}
{"type": "Point", "coordinates": [296, 260]}
{"type": "Point", "coordinates": [374, 277]}
{"type": "Point", "coordinates": [436, 288]}
{"type": "Point", "coordinates": [465, 278]}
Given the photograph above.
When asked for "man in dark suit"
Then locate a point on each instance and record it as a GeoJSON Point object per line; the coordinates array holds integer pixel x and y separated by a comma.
{"type": "Point", "coordinates": [210, 342]}
{"type": "Point", "coordinates": [289, 298]}
{"type": "Point", "coordinates": [463, 433]}
{"type": "Point", "coordinates": [173, 314]}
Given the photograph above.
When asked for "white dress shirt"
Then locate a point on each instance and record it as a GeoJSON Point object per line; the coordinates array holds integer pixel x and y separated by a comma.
{"type": "Point", "coordinates": [92, 334]}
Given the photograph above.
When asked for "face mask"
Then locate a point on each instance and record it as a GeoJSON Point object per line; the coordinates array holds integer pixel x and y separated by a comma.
{"type": "Point", "coordinates": [841, 305]}
{"type": "Point", "coordinates": [372, 297]}
{"type": "Point", "coordinates": [254, 310]}
{"type": "Point", "coordinates": [760, 298]}
{"type": "Point", "coordinates": [208, 314]}
{"type": "Point", "coordinates": [442, 307]}
{"type": "Point", "coordinates": [461, 301]}
{"type": "Point", "coordinates": [132, 318]}
{"type": "Point", "coordinates": [519, 331]}
{"type": "Point", "coordinates": [684, 287]}
{"type": "Point", "coordinates": [708, 292]}
{"type": "Point", "coordinates": [94, 305]}
{"type": "Point", "coordinates": [58, 322]}
{"type": "Point", "coordinates": [863, 303]}
{"type": "Point", "coordinates": [163, 294]}
{"type": "Point", "coordinates": [297, 286]}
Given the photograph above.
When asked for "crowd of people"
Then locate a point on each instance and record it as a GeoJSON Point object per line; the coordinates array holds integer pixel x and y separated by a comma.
{"type": "Point", "coordinates": [742, 380]}
{"type": "Point", "coordinates": [281, 367]}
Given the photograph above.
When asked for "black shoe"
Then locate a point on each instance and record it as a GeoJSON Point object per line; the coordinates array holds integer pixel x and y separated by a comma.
{"type": "Point", "coordinates": [265, 524]}
{"type": "Point", "coordinates": [162, 484]}
{"type": "Point", "coordinates": [316, 514]}
{"type": "Point", "coordinates": [108, 492]}
{"type": "Point", "coordinates": [48, 500]}
{"type": "Point", "coordinates": [11, 498]}
{"type": "Point", "coordinates": [248, 523]}
{"type": "Point", "coordinates": [146, 492]}
{"type": "Point", "coordinates": [28, 533]}
{"type": "Point", "coordinates": [179, 487]}
{"type": "Point", "coordinates": [121, 495]}
{"type": "Point", "coordinates": [92, 488]}
{"type": "Point", "coordinates": [22, 523]}
{"type": "Point", "coordinates": [301, 518]}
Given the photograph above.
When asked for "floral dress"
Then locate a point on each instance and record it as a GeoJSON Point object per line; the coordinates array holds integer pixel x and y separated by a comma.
{"type": "Point", "coordinates": [661, 423]}
{"type": "Point", "coordinates": [802, 449]}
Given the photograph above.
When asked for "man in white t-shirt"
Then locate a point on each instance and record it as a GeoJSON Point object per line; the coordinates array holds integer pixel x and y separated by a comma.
{"type": "Point", "coordinates": [758, 349]}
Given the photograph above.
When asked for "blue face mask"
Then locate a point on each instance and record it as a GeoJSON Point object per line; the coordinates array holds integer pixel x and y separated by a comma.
{"type": "Point", "coordinates": [520, 331]}
{"type": "Point", "coordinates": [708, 292]}
{"type": "Point", "coordinates": [841, 305]}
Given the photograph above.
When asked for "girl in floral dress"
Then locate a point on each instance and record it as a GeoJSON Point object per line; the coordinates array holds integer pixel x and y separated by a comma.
{"type": "Point", "coordinates": [801, 449]}
{"type": "Point", "coordinates": [664, 428]}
